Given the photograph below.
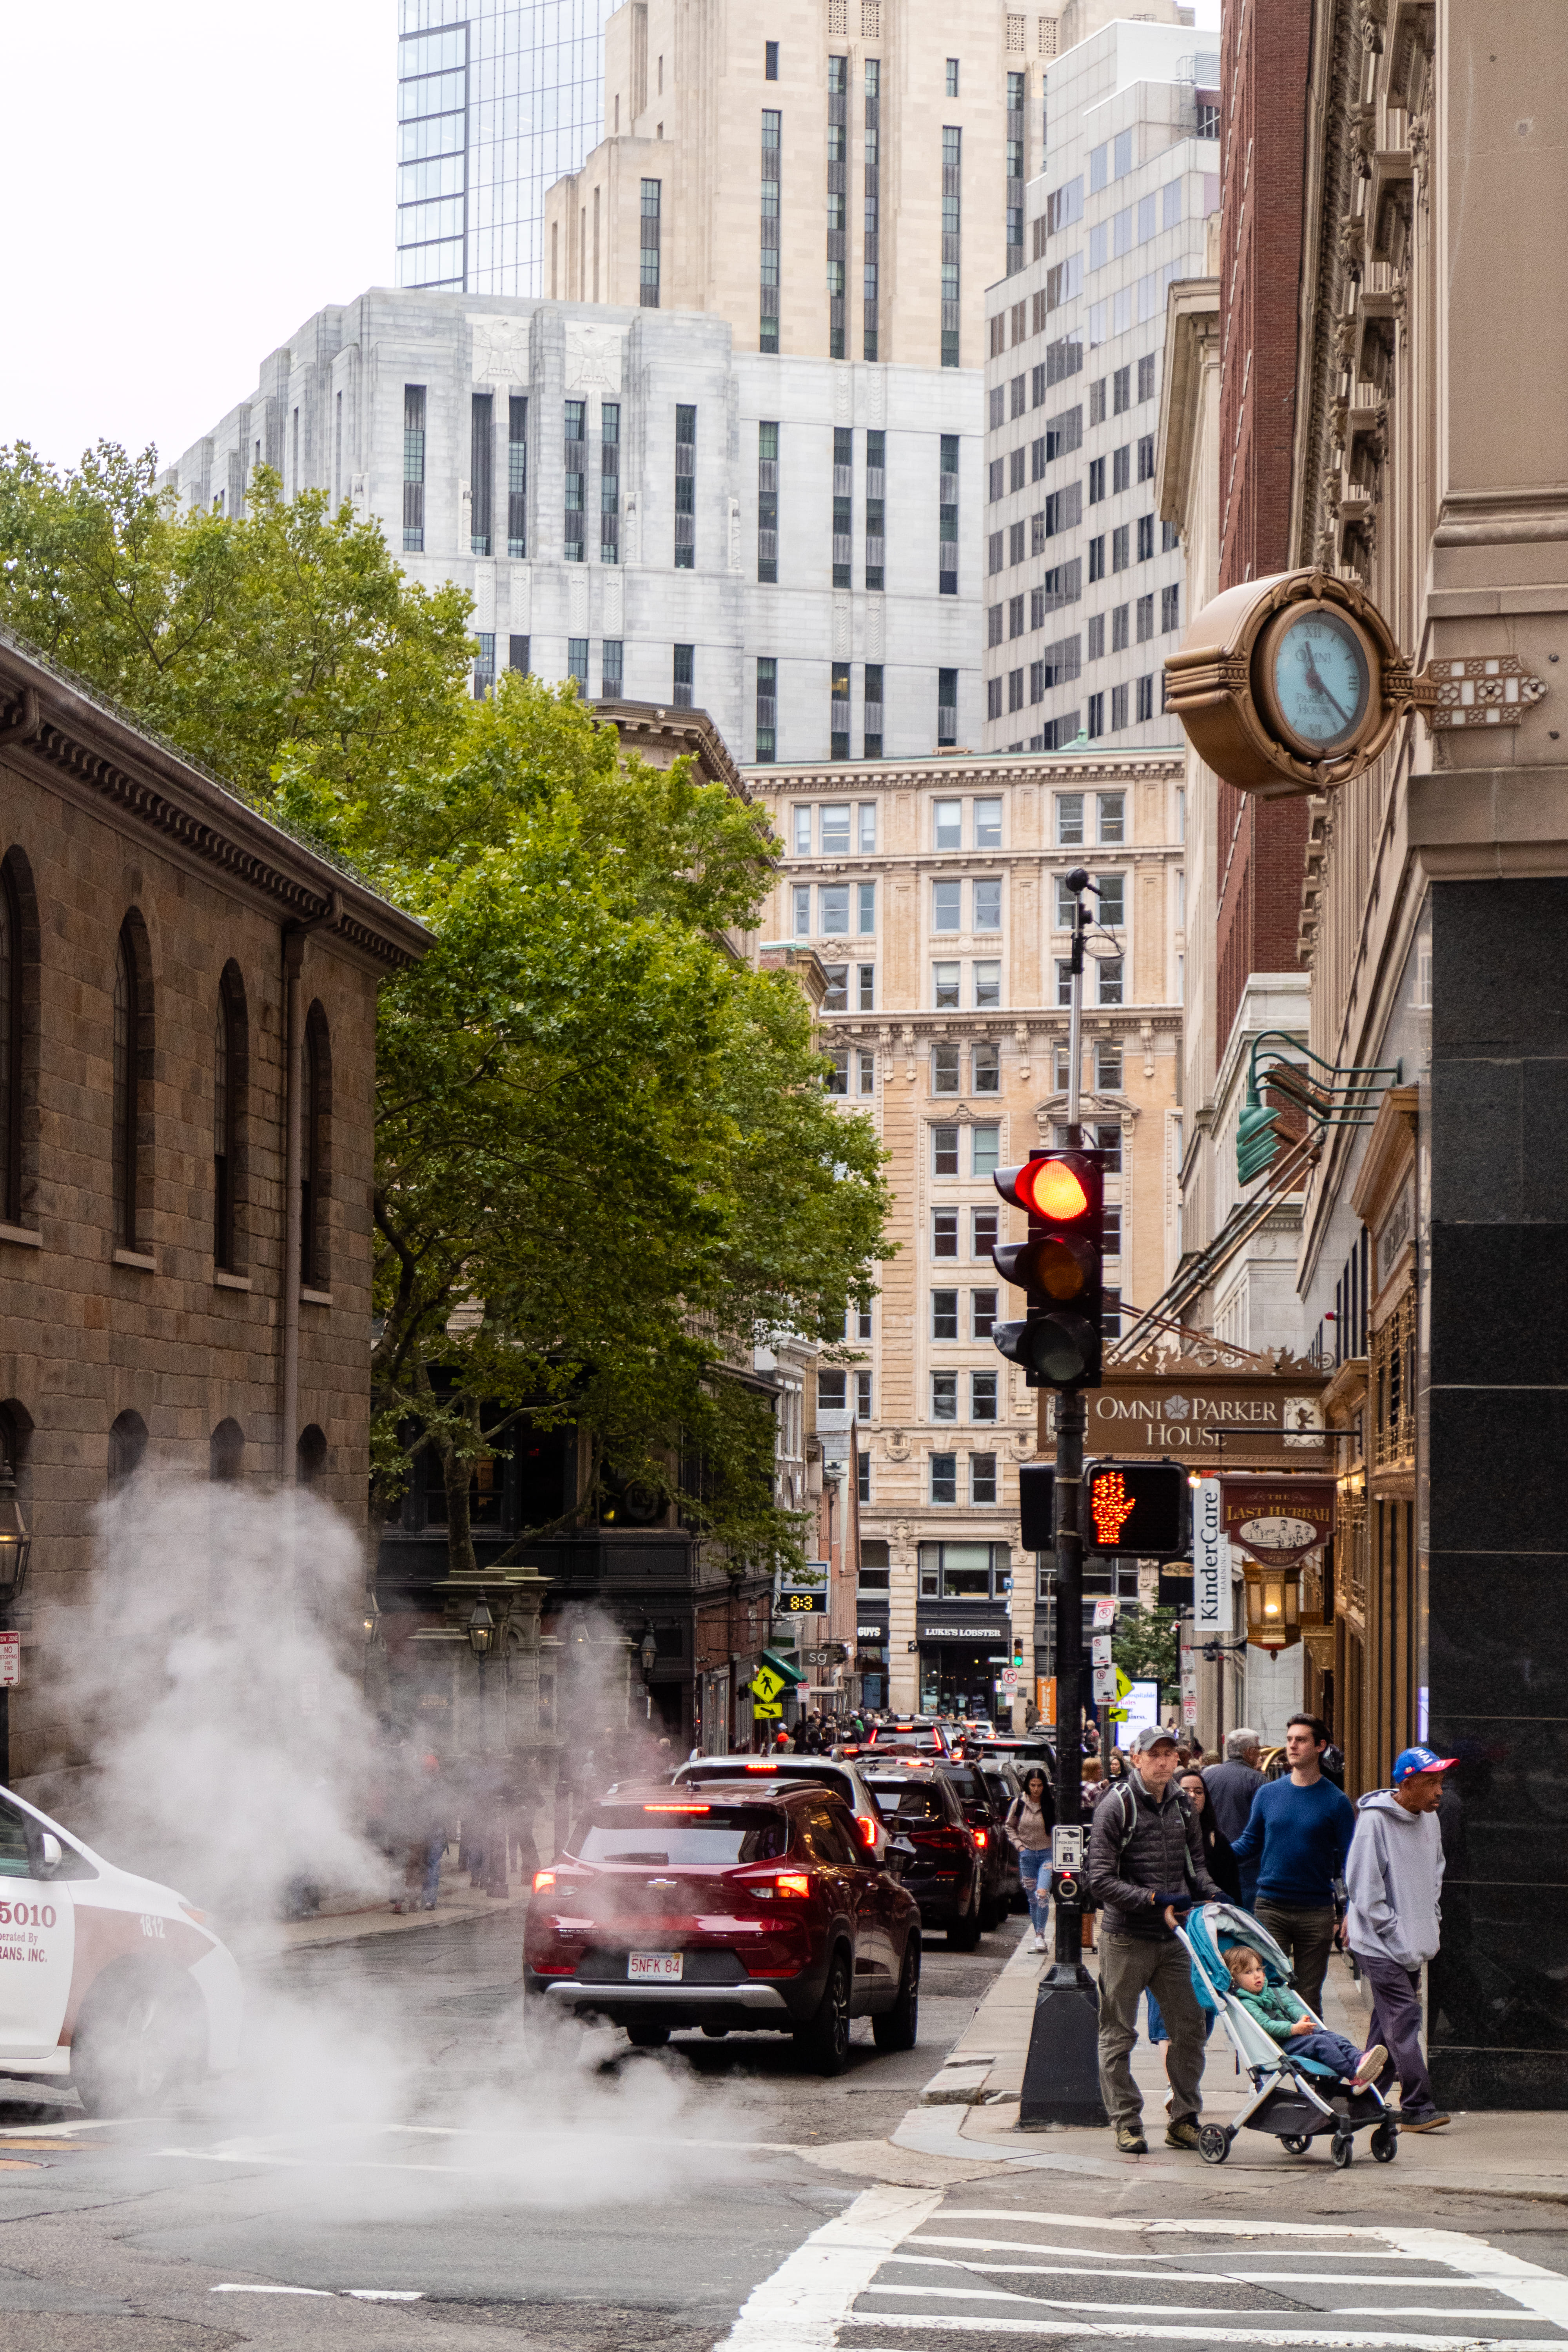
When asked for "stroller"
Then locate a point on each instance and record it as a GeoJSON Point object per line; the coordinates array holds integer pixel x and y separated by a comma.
{"type": "Point", "coordinates": [1296, 2099]}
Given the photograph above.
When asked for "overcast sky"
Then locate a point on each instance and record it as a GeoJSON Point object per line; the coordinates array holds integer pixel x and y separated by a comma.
{"type": "Point", "coordinates": [184, 183]}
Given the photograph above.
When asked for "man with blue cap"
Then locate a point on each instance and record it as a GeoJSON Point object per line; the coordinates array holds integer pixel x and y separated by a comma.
{"type": "Point", "coordinates": [1393, 1877]}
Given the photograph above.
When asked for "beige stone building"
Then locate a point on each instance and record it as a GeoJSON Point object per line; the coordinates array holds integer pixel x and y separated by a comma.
{"type": "Point", "coordinates": [932, 891]}
{"type": "Point", "coordinates": [840, 179]}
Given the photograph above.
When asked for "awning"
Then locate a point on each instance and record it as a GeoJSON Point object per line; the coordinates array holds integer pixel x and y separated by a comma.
{"type": "Point", "coordinates": [792, 1675]}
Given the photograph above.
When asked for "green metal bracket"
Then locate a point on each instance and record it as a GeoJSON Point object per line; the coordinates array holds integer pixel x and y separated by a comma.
{"type": "Point", "coordinates": [1346, 1095]}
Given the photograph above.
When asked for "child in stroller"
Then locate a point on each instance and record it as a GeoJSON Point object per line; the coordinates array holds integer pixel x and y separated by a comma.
{"type": "Point", "coordinates": [1285, 2016]}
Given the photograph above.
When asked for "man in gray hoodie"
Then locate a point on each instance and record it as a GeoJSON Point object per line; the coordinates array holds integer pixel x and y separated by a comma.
{"type": "Point", "coordinates": [1393, 1876]}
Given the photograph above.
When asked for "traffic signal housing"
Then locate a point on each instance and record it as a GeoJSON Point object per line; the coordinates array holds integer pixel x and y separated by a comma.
{"type": "Point", "coordinates": [1059, 1268]}
{"type": "Point", "coordinates": [1137, 1507]}
{"type": "Point", "coordinates": [1037, 1506]}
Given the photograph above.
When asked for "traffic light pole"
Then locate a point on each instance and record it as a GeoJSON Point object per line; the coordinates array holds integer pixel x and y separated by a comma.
{"type": "Point", "coordinates": [1061, 2074]}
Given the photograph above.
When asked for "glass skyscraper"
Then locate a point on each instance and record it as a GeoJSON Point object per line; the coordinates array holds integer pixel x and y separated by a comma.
{"type": "Point", "coordinates": [496, 99]}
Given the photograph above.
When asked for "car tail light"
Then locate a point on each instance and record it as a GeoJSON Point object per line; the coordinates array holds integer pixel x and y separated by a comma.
{"type": "Point", "coordinates": [867, 1828]}
{"type": "Point", "coordinates": [757, 1766]}
{"type": "Point", "coordinates": [793, 1882]}
{"type": "Point", "coordinates": [979, 1837]}
{"type": "Point", "coordinates": [677, 1808]}
{"type": "Point", "coordinates": [542, 1881]}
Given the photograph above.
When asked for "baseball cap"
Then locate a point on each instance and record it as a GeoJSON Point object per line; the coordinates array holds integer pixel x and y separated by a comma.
{"type": "Point", "coordinates": [1420, 1760]}
{"type": "Point", "coordinates": [1149, 1735]}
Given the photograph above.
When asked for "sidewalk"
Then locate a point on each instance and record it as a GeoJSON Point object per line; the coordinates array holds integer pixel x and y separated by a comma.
{"type": "Point", "coordinates": [970, 2110]}
{"type": "Point", "coordinates": [260, 1939]}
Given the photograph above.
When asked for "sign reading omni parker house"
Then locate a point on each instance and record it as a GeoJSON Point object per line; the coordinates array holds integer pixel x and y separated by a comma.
{"type": "Point", "coordinates": [1237, 1414]}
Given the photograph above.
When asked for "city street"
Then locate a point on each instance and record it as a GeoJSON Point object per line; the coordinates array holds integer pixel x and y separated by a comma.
{"type": "Point", "coordinates": [398, 2161]}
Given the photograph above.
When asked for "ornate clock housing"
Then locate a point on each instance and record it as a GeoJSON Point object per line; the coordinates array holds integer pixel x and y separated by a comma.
{"type": "Point", "coordinates": [1288, 684]}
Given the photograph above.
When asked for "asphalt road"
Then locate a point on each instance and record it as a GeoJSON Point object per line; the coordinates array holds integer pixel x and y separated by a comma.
{"type": "Point", "coordinates": [398, 2167]}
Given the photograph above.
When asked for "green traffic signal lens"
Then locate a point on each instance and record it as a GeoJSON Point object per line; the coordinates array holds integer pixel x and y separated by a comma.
{"type": "Point", "coordinates": [1061, 1347]}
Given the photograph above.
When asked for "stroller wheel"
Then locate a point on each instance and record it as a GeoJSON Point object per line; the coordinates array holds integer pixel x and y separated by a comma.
{"type": "Point", "coordinates": [1213, 2143]}
{"type": "Point", "coordinates": [1343, 2150]}
{"type": "Point", "coordinates": [1385, 2144]}
{"type": "Point", "coordinates": [1297, 2142]}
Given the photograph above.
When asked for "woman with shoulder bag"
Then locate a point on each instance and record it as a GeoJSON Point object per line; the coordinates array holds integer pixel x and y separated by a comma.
{"type": "Point", "coordinates": [1030, 1819]}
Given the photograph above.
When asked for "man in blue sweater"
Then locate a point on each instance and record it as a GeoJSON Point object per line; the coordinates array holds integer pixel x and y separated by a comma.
{"type": "Point", "coordinates": [1298, 1835]}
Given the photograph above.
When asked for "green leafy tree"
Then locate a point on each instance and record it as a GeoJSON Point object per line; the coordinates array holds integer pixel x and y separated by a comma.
{"type": "Point", "coordinates": [605, 1166]}
{"type": "Point", "coordinates": [1146, 1646]}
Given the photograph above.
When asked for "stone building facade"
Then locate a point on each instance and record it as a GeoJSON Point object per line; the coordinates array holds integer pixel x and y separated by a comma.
{"type": "Point", "coordinates": [930, 890]}
{"type": "Point", "coordinates": [635, 501]}
{"type": "Point", "coordinates": [148, 920]}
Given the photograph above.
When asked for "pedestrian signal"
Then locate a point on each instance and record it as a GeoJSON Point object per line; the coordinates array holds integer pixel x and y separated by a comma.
{"type": "Point", "coordinates": [1136, 1507]}
{"type": "Point", "coordinates": [1059, 1268]}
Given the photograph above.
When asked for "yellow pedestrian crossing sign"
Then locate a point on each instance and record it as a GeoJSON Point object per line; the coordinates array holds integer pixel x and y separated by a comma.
{"type": "Point", "coordinates": [767, 1710]}
{"type": "Point", "coordinates": [766, 1685]}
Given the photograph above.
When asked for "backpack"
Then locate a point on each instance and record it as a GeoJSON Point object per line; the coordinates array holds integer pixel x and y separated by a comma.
{"type": "Point", "coordinates": [1125, 1800]}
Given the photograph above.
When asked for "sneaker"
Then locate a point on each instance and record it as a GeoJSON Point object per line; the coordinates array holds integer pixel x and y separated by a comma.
{"type": "Point", "coordinates": [1040, 1944]}
{"type": "Point", "coordinates": [1372, 2062]}
{"type": "Point", "coordinates": [1432, 2119]}
{"type": "Point", "coordinates": [1182, 2134]}
{"type": "Point", "coordinates": [1130, 2140]}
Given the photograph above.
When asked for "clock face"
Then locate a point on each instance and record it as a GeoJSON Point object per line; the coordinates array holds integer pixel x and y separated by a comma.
{"type": "Point", "coordinates": [1278, 1535]}
{"type": "Point", "coordinates": [1320, 681]}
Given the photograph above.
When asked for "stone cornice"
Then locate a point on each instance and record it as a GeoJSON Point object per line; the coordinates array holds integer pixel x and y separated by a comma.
{"type": "Point", "coordinates": [1109, 1020]}
{"type": "Point", "coordinates": [850, 780]}
{"type": "Point", "coordinates": [51, 722]}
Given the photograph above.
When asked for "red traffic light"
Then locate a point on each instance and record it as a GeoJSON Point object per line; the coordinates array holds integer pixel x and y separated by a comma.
{"type": "Point", "coordinates": [1051, 1188]}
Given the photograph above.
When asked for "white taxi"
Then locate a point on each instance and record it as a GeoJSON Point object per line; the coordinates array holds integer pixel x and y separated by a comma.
{"type": "Point", "coordinates": [107, 1979]}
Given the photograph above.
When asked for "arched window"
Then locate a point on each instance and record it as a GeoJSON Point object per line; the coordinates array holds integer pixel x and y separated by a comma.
{"type": "Point", "coordinates": [126, 1449]}
{"type": "Point", "coordinates": [315, 1151]}
{"type": "Point", "coordinates": [132, 1140]}
{"type": "Point", "coordinates": [310, 1456]}
{"type": "Point", "coordinates": [230, 1075]}
{"type": "Point", "coordinates": [227, 1453]}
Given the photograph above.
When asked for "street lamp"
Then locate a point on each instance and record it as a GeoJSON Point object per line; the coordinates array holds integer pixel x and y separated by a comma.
{"type": "Point", "coordinates": [15, 1543]}
{"type": "Point", "coordinates": [648, 1653]}
{"type": "Point", "coordinates": [481, 1630]}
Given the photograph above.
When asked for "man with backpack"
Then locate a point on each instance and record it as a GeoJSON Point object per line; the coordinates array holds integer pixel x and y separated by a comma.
{"type": "Point", "coordinates": [1146, 1862]}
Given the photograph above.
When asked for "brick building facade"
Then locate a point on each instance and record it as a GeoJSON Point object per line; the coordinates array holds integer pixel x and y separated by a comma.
{"type": "Point", "coordinates": [147, 921]}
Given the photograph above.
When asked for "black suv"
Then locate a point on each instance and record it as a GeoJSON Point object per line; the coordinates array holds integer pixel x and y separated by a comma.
{"type": "Point", "coordinates": [984, 1808]}
{"type": "Point", "coordinates": [946, 1870]}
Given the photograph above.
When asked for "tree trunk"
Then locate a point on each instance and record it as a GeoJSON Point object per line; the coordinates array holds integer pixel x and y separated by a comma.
{"type": "Point", "coordinates": [456, 1472]}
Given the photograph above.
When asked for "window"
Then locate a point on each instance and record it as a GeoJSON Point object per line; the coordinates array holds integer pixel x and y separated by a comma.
{"type": "Point", "coordinates": [577, 663]}
{"type": "Point", "coordinates": [987, 987]}
{"type": "Point", "coordinates": [945, 1396]}
{"type": "Point", "coordinates": [1064, 982]}
{"type": "Point", "coordinates": [1016, 393]}
{"type": "Point", "coordinates": [837, 997]}
{"type": "Point", "coordinates": [770, 61]}
{"type": "Point", "coordinates": [865, 988]}
{"type": "Point", "coordinates": [944, 1069]}
{"type": "Point", "coordinates": [1067, 905]}
{"type": "Point", "coordinates": [989, 906]}
{"type": "Point", "coordinates": [1146, 458]}
{"type": "Point", "coordinates": [225, 1453]}
{"type": "Point", "coordinates": [1170, 537]}
{"type": "Point", "coordinates": [1118, 629]}
{"type": "Point", "coordinates": [127, 1450]}
{"type": "Point", "coordinates": [993, 697]}
{"type": "Point", "coordinates": [1096, 638]}
{"type": "Point", "coordinates": [863, 1396]}
{"type": "Point", "coordinates": [835, 834]}
{"type": "Point", "coordinates": [838, 1079]}
{"type": "Point", "coordinates": [944, 1151]}
{"type": "Point", "coordinates": [863, 1484]}
{"type": "Point", "coordinates": [517, 656]}
{"type": "Point", "coordinates": [612, 656]}
{"type": "Point", "coordinates": [982, 1229]}
{"type": "Point", "coordinates": [1118, 707]}
{"type": "Point", "coordinates": [833, 908]}
{"type": "Point", "coordinates": [1097, 702]}
{"type": "Point", "coordinates": [681, 681]}
{"type": "Point", "coordinates": [1145, 538]}
{"type": "Point", "coordinates": [315, 1149]}
{"type": "Point", "coordinates": [1145, 618]}
{"type": "Point", "coordinates": [867, 1071]}
{"type": "Point", "coordinates": [984, 1143]}
{"type": "Point", "coordinates": [865, 895]}
{"type": "Point", "coordinates": [1146, 364]}
{"type": "Point", "coordinates": [1107, 1142]}
{"type": "Point", "coordinates": [1070, 820]}
{"type": "Point", "coordinates": [944, 1315]}
{"type": "Point", "coordinates": [481, 469]}
{"type": "Point", "coordinates": [951, 161]}
{"type": "Point", "coordinates": [1110, 812]}
{"type": "Point", "coordinates": [995, 547]}
{"type": "Point", "coordinates": [1120, 548]}
{"type": "Point", "coordinates": [576, 477]}
{"type": "Point", "coordinates": [981, 1396]}
{"type": "Point", "coordinates": [1122, 467]}
{"type": "Point", "coordinates": [1015, 616]}
{"type": "Point", "coordinates": [945, 898]}
{"type": "Point", "coordinates": [801, 829]}
{"type": "Point", "coordinates": [838, 718]}
{"type": "Point", "coordinates": [1015, 543]}
{"type": "Point", "coordinates": [768, 314]}
{"type": "Point", "coordinates": [981, 1313]}
{"type": "Point", "coordinates": [685, 487]}
{"type": "Point", "coordinates": [987, 1071]}
{"type": "Point", "coordinates": [1111, 1317]}
{"type": "Point", "coordinates": [1096, 559]}
{"type": "Point", "coordinates": [947, 704]}
{"type": "Point", "coordinates": [983, 1478]}
{"type": "Point", "coordinates": [945, 987]}
{"type": "Point", "coordinates": [413, 469]}
{"type": "Point", "coordinates": [1110, 970]}
{"type": "Point", "coordinates": [1096, 480]}
{"type": "Point", "coordinates": [944, 1477]}
{"type": "Point", "coordinates": [876, 506]}
{"type": "Point", "coordinates": [1112, 1228]}
{"type": "Point", "coordinates": [229, 1074]}
{"type": "Point", "coordinates": [1171, 607]}
{"type": "Point", "coordinates": [517, 477]}
{"type": "Point", "coordinates": [767, 733]}
{"type": "Point", "coordinates": [952, 78]}
{"type": "Point", "coordinates": [647, 294]}
{"type": "Point", "coordinates": [132, 1088]}
{"type": "Point", "coordinates": [1107, 1069]}
{"type": "Point", "coordinates": [1145, 699]}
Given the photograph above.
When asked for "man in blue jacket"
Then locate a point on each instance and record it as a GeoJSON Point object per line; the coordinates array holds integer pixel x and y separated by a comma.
{"type": "Point", "coordinates": [1297, 1834]}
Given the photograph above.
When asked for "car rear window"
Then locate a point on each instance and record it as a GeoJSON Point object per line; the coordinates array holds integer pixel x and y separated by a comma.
{"type": "Point", "coordinates": [825, 1776]}
{"type": "Point", "coordinates": [928, 1742]}
{"type": "Point", "coordinates": [968, 1785]}
{"type": "Point", "coordinates": [660, 1835]}
{"type": "Point", "coordinates": [908, 1800]}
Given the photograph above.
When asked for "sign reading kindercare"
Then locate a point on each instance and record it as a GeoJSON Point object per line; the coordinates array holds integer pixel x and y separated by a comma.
{"type": "Point", "coordinates": [1211, 1563]}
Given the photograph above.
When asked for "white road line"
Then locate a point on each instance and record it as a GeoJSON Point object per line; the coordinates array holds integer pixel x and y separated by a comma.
{"type": "Point", "coordinates": [1158, 2227]}
{"type": "Point", "coordinates": [1184, 2310]}
{"type": "Point", "coordinates": [1288, 2339]}
{"type": "Point", "coordinates": [1121, 2254]}
{"type": "Point", "coordinates": [324, 2291]}
{"type": "Point", "coordinates": [1181, 2278]}
{"type": "Point", "coordinates": [356, 2294]}
{"type": "Point", "coordinates": [801, 2305]}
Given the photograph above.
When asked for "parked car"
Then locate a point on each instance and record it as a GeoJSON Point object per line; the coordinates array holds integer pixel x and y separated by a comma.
{"type": "Point", "coordinates": [749, 1907]}
{"type": "Point", "coordinates": [985, 1817]}
{"type": "Point", "coordinates": [918, 1736]}
{"type": "Point", "coordinates": [840, 1773]}
{"type": "Point", "coordinates": [107, 1980]}
{"type": "Point", "coordinates": [945, 1874]}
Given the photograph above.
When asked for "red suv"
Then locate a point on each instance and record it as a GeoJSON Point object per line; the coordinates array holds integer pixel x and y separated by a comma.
{"type": "Point", "coordinates": [731, 1907]}
{"type": "Point", "coordinates": [919, 1738]}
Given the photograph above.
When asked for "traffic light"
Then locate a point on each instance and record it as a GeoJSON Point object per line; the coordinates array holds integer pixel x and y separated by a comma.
{"type": "Point", "coordinates": [1037, 1506]}
{"type": "Point", "coordinates": [1136, 1507]}
{"type": "Point", "coordinates": [1059, 1268]}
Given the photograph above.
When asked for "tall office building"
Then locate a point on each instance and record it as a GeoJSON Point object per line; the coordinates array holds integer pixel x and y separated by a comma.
{"type": "Point", "coordinates": [495, 100]}
{"type": "Point", "coordinates": [1083, 578]}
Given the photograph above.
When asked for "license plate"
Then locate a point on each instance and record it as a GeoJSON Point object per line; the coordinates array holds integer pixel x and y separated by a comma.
{"type": "Point", "coordinates": [654, 1968]}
